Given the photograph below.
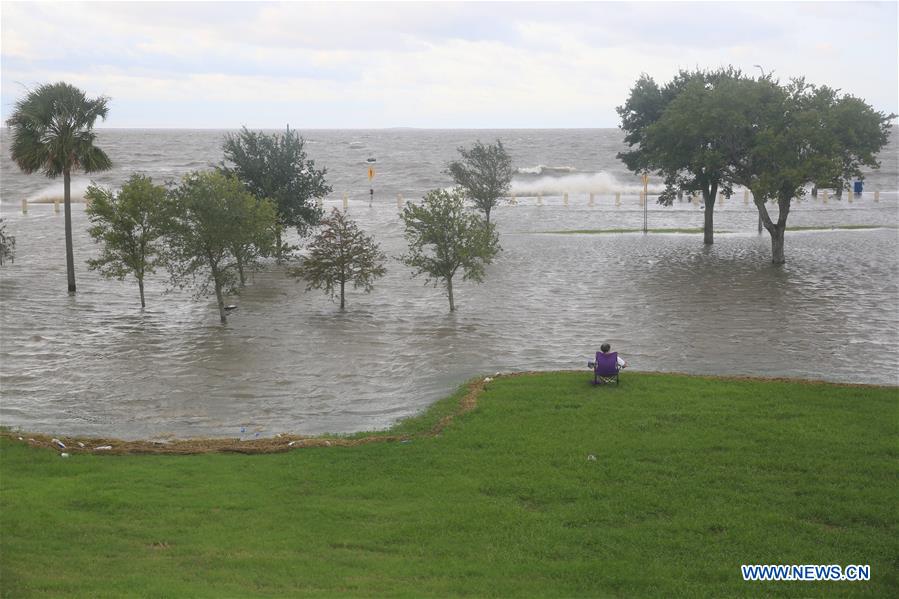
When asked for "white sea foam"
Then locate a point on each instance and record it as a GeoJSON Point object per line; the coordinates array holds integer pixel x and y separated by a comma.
{"type": "Point", "coordinates": [55, 191]}
{"type": "Point", "coordinates": [542, 169]}
{"type": "Point", "coordinates": [579, 183]}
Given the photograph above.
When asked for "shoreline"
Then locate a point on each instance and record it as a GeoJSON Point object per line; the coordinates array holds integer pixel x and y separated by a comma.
{"type": "Point", "coordinates": [468, 393]}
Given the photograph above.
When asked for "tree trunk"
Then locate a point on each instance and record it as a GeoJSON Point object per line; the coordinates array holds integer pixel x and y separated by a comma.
{"type": "Point", "coordinates": [777, 245]}
{"type": "Point", "coordinates": [140, 285]}
{"type": "Point", "coordinates": [218, 296]}
{"type": "Point", "coordinates": [487, 212]}
{"type": "Point", "coordinates": [708, 228]}
{"type": "Point", "coordinates": [67, 202]}
{"type": "Point", "coordinates": [449, 291]}
{"type": "Point", "coordinates": [342, 302]}
{"type": "Point", "coordinates": [278, 241]}
{"type": "Point", "coordinates": [243, 280]}
{"type": "Point", "coordinates": [776, 230]}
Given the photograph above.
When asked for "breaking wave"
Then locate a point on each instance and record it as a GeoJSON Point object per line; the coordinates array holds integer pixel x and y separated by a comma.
{"type": "Point", "coordinates": [578, 183]}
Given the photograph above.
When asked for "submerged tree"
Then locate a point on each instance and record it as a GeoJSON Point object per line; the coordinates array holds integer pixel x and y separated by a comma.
{"type": "Point", "coordinates": [7, 244]}
{"type": "Point", "coordinates": [53, 132]}
{"type": "Point", "coordinates": [685, 132]}
{"type": "Point", "coordinates": [341, 253]}
{"type": "Point", "coordinates": [484, 173]}
{"type": "Point", "coordinates": [129, 225]}
{"type": "Point", "coordinates": [803, 134]}
{"type": "Point", "coordinates": [444, 239]}
{"type": "Point", "coordinates": [206, 220]}
{"type": "Point", "coordinates": [275, 167]}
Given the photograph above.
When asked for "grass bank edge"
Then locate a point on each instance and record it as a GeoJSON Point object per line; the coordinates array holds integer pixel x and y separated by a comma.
{"type": "Point", "coordinates": [428, 423]}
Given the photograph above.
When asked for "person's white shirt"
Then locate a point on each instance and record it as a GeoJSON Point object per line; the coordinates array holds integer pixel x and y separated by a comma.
{"type": "Point", "coordinates": [621, 362]}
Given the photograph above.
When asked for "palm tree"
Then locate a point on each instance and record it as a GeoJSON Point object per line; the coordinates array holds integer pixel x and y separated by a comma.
{"type": "Point", "coordinates": [52, 131]}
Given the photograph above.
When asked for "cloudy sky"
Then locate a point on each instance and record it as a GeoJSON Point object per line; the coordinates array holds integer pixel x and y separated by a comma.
{"type": "Point", "coordinates": [424, 64]}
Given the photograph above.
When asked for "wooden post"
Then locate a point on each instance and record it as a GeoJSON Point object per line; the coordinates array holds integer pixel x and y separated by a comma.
{"type": "Point", "coordinates": [513, 201]}
{"type": "Point", "coordinates": [399, 201]}
{"type": "Point", "coordinates": [746, 196]}
{"type": "Point", "coordinates": [565, 198]}
{"type": "Point", "coordinates": [617, 199]}
{"type": "Point", "coordinates": [539, 199]}
{"type": "Point", "coordinates": [591, 199]}
{"type": "Point", "coordinates": [824, 196]}
{"type": "Point", "coordinates": [876, 196]}
{"type": "Point", "coordinates": [56, 205]}
{"type": "Point", "coordinates": [346, 203]}
{"type": "Point", "coordinates": [24, 206]}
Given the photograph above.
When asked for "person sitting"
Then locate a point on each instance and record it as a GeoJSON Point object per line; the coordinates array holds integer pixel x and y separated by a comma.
{"type": "Point", "coordinates": [605, 348]}
{"type": "Point", "coordinates": [607, 366]}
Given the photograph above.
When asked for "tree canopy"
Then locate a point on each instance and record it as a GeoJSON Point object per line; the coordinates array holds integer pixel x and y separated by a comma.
{"type": "Point", "coordinates": [208, 215]}
{"type": "Point", "coordinates": [444, 238]}
{"type": "Point", "coordinates": [686, 133]}
{"type": "Point", "coordinates": [129, 227]}
{"type": "Point", "coordinates": [341, 253]}
{"type": "Point", "coordinates": [275, 167]}
{"type": "Point", "coordinates": [53, 132]}
{"type": "Point", "coordinates": [484, 172]}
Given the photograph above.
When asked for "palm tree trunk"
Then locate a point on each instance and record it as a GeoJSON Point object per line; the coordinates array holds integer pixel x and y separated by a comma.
{"type": "Point", "coordinates": [67, 202]}
{"type": "Point", "coordinates": [342, 302]}
{"type": "Point", "coordinates": [140, 285]}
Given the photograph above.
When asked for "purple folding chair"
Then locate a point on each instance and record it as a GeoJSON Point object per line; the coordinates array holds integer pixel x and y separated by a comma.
{"type": "Point", "coordinates": [605, 368]}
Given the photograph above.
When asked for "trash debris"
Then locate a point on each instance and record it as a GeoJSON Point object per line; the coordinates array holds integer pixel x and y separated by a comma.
{"type": "Point", "coordinates": [58, 443]}
{"type": "Point", "coordinates": [292, 443]}
{"type": "Point", "coordinates": [257, 435]}
{"type": "Point", "coordinates": [406, 441]}
{"type": "Point", "coordinates": [591, 458]}
{"type": "Point", "coordinates": [243, 429]}
{"type": "Point", "coordinates": [488, 380]}
{"type": "Point", "coordinates": [30, 440]}
{"type": "Point", "coordinates": [102, 447]}
{"type": "Point", "coordinates": [278, 435]}
{"type": "Point", "coordinates": [63, 455]}
{"type": "Point", "coordinates": [327, 444]}
{"type": "Point", "coordinates": [20, 438]}
{"type": "Point", "coordinates": [80, 444]}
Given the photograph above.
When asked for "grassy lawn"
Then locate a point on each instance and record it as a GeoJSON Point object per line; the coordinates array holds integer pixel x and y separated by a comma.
{"type": "Point", "coordinates": [692, 477]}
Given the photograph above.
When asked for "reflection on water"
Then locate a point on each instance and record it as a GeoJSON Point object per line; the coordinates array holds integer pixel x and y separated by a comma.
{"type": "Point", "coordinates": [289, 361]}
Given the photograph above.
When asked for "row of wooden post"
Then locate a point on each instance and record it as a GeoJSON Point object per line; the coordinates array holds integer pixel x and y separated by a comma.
{"type": "Point", "coordinates": [400, 202]}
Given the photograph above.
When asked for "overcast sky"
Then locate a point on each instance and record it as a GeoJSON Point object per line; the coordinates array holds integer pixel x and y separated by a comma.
{"type": "Point", "coordinates": [425, 64]}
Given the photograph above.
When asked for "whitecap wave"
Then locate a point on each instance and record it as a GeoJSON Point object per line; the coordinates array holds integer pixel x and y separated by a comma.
{"type": "Point", "coordinates": [55, 191]}
{"type": "Point", "coordinates": [542, 169]}
{"type": "Point", "coordinates": [599, 183]}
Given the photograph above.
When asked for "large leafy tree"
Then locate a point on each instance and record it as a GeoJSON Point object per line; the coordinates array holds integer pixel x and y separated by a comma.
{"type": "Point", "coordinates": [341, 253]}
{"type": "Point", "coordinates": [685, 132]}
{"type": "Point", "coordinates": [484, 172]}
{"type": "Point", "coordinates": [444, 239]}
{"type": "Point", "coordinates": [275, 167]}
{"type": "Point", "coordinates": [803, 134]}
{"type": "Point", "coordinates": [207, 216]}
{"type": "Point", "coordinates": [53, 132]}
{"type": "Point", "coordinates": [129, 225]}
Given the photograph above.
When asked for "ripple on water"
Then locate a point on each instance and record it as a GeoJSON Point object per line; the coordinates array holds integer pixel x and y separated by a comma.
{"type": "Point", "coordinates": [289, 361]}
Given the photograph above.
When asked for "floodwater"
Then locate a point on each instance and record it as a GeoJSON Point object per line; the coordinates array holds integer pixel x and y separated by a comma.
{"type": "Point", "coordinates": [289, 361]}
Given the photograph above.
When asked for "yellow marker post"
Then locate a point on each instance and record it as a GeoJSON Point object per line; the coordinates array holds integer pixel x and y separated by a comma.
{"type": "Point", "coordinates": [746, 196]}
{"type": "Point", "coordinates": [565, 198]}
{"type": "Point", "coordinates": [591, 199]}
{"type": "Point", "coordinates": [399, 201]}
{"type": "Point", "coordinates": [824, 196]}
{"type": "Point", "coordinates": [345, 202]}
{"type": "Point", "coordinates": [876, 196]}
{"type": "Point", "coordinates": [539, 199]}
{"type": "Point", "coordinates": [617, 199]}
{"type": "Point", "coordinates": [56, 205]}
{"type": "Point", "coordinates": [24, 206]}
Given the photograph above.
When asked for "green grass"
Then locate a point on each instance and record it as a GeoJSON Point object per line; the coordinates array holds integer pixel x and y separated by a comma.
{"type": "Point", "coordinates": [693, 476]}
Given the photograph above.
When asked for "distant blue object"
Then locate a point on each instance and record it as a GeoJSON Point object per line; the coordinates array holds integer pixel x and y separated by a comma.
{"type": "Point", "coordinates": [243, 429]}
{"type": "Point", "coordinates": [857, 187]}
